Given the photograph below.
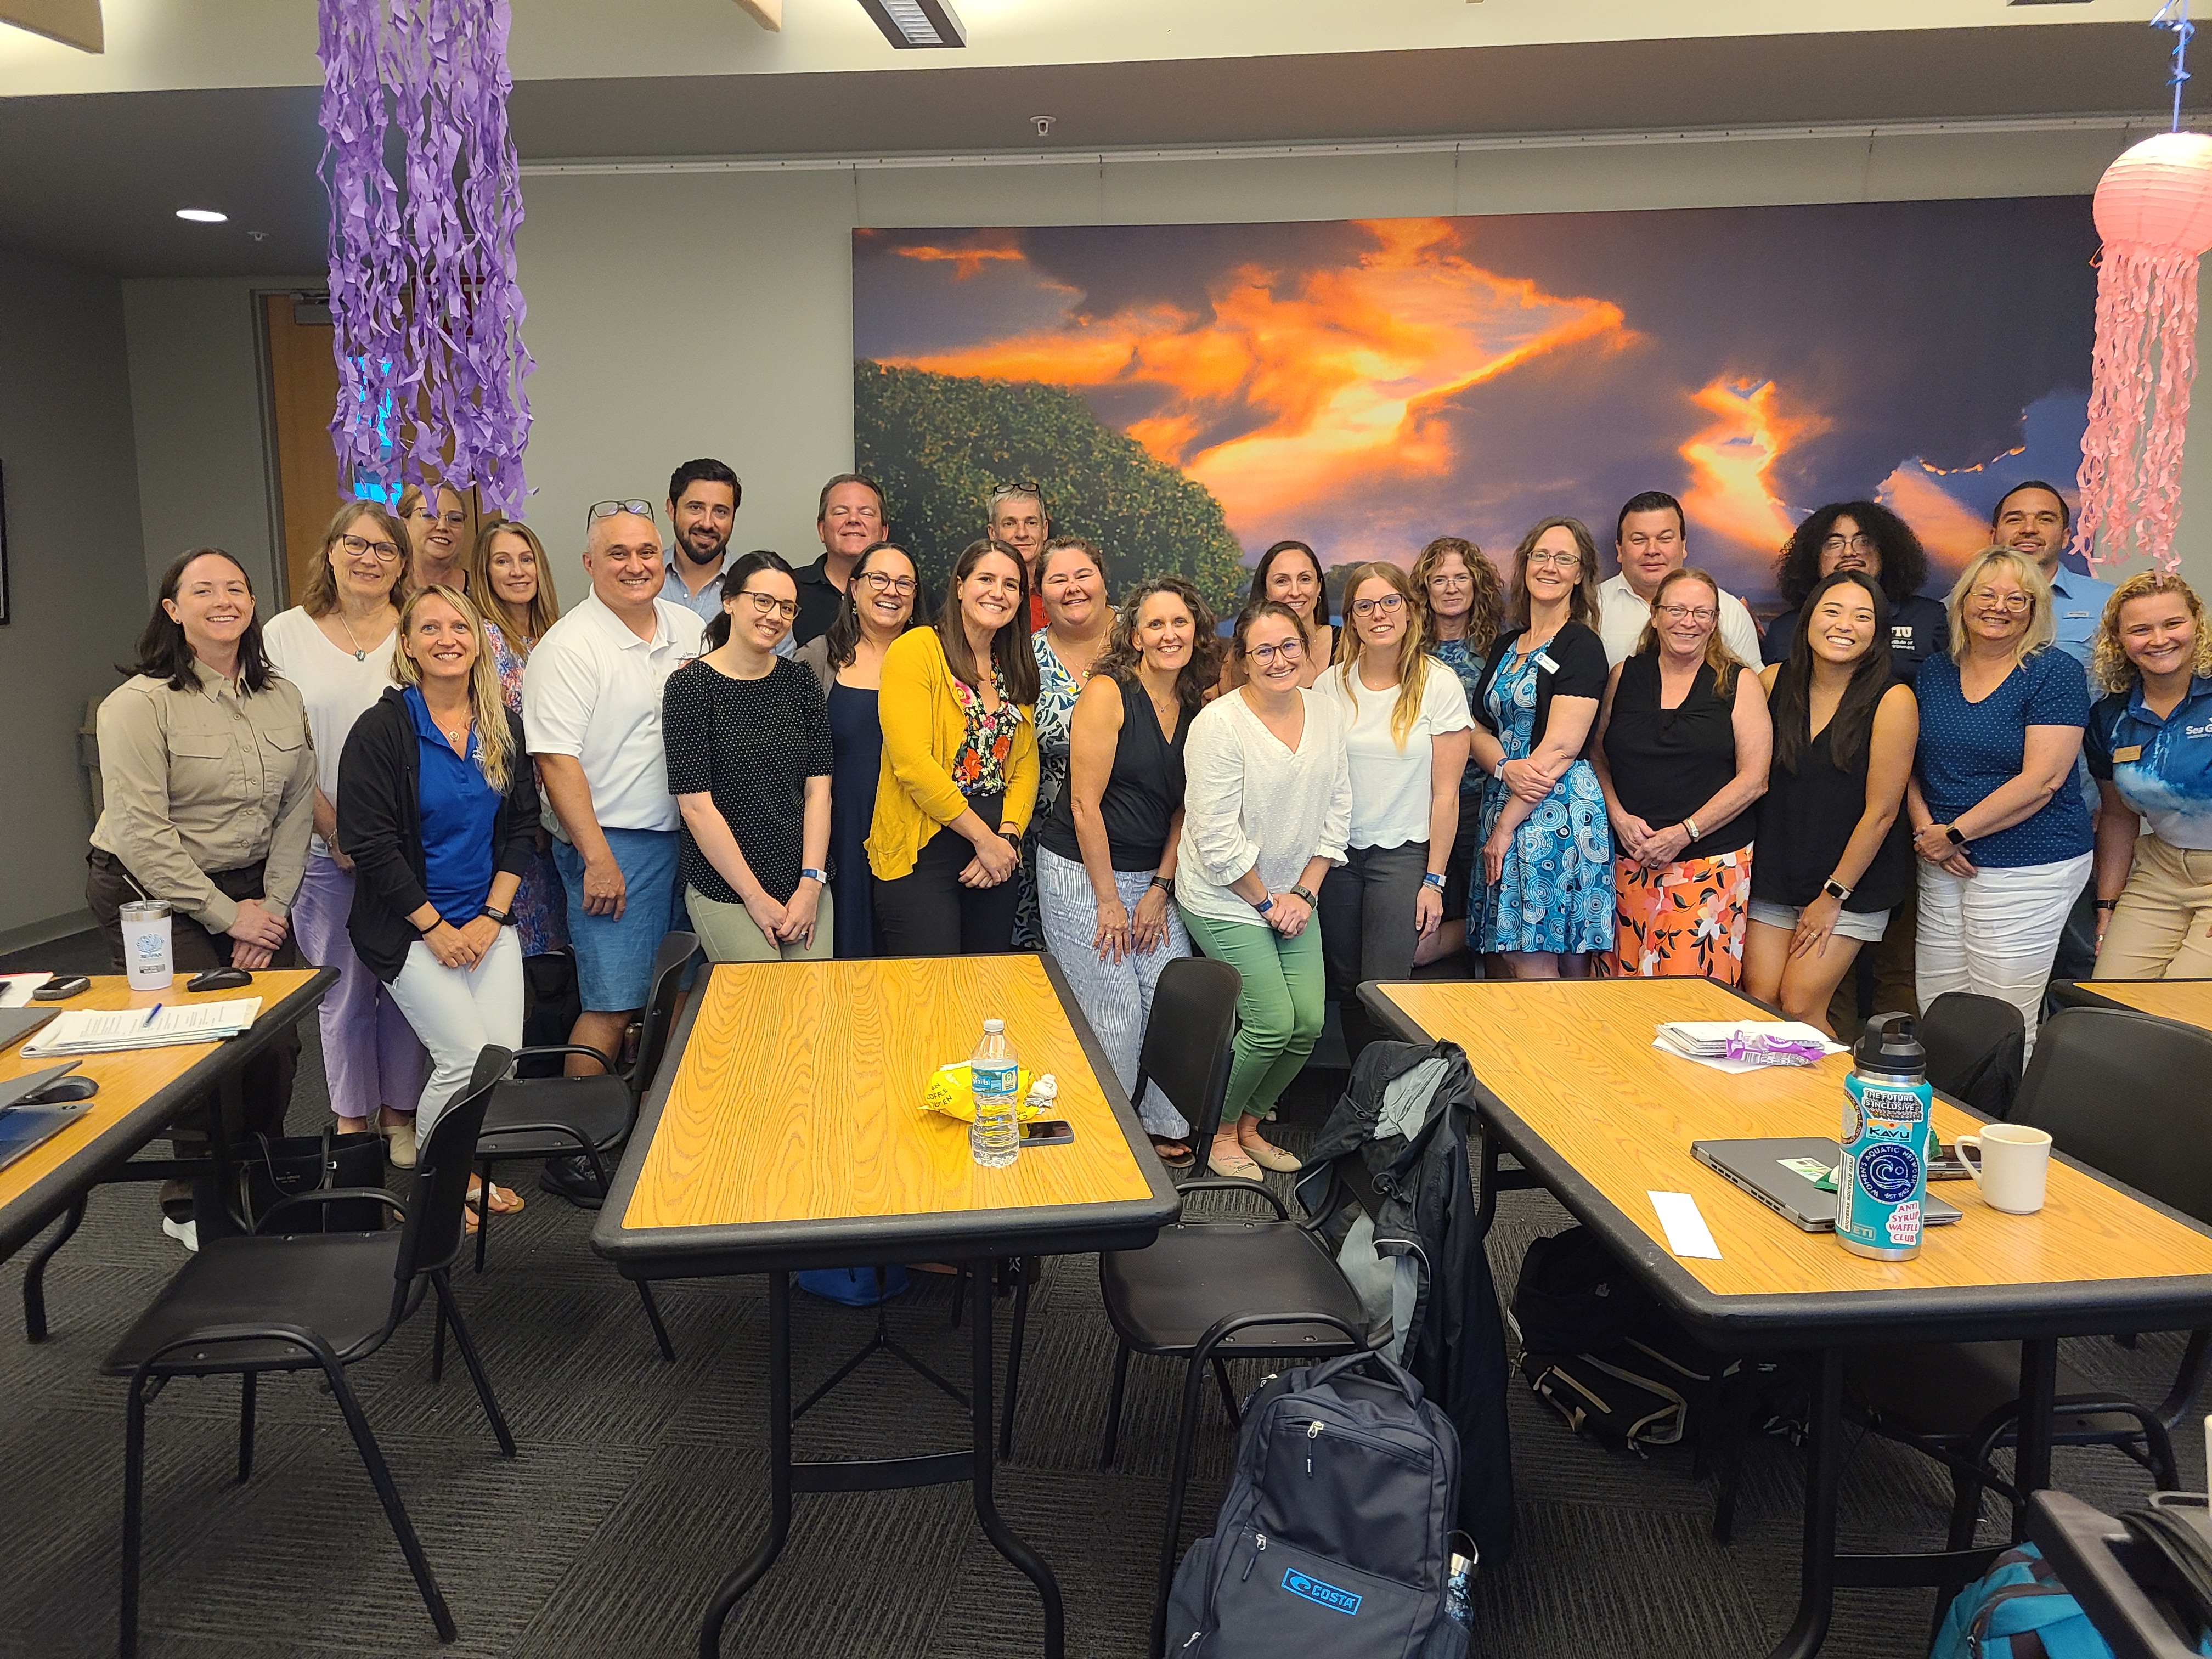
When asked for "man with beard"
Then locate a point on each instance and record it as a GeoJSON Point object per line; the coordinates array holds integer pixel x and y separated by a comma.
{"type": "Point", "coordinates": [703, 507]}
{"type": "Point", "coordinates": [850, 519]}
{"type": "Point", "coordinates": [2034, 520]}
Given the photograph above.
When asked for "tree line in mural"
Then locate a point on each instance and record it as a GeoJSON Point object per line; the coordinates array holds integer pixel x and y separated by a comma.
{"type": "Point", "coordinates": [939, 443]}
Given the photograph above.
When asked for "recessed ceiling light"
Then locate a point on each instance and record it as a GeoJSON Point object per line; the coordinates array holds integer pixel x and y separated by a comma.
{"type": "Point", "coordinates": [908, 23]}
{"type": "Point", "coordinates": [204, 215]}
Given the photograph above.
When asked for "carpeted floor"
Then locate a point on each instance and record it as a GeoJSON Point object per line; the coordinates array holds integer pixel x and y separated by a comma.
{"type": "Point", "coordinates": [640, 1483]}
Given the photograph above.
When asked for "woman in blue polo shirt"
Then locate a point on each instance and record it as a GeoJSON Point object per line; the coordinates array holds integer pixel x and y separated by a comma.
{"type": "Point", "coordinates": [2149, 747]}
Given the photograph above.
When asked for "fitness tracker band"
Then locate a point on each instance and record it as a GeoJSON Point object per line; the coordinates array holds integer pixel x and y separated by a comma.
{"type": "Point", "coordinates": [1266, 904]}
{"type": "Point", "coordinates": [1303, 892]}
{"type": "Point", "coordinates": [820, 878]}
{"type": "Point", "coordinates": [1835, 889]}
{"type": "Point", "coordinates": [1432, 879]}
{"type": "Point", "coordinates": [503, 918]}
{"type": "Point", "coordinates": [1165, 883]}
{"type": "Point", "coordinates": [1951, 831]}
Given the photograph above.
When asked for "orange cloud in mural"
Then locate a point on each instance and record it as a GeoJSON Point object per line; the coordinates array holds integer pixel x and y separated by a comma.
{"type": "Point", "coordinates": [966, 262]}
{"type": "Point", "coordinates": [1951, 534]}
{"type": "Point", "coordinates": [1332, 377]}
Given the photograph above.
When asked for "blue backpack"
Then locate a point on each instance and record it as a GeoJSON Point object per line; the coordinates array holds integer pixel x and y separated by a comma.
{"type": "Point", "coordinates": [2018, 1609]}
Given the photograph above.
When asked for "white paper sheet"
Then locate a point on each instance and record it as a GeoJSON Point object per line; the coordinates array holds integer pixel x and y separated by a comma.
{"type": "Point", "coordinates": [1687, 1232]}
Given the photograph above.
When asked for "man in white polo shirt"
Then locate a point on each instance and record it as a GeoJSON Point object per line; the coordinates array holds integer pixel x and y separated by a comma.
{"type": "Point", "coordinates": [591, 711]}
{"type": "Point", "coordinates": [1651, 539]}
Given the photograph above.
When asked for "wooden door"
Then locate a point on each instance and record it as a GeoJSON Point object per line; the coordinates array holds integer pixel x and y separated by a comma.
{"type": "Point", "coordinates": [303, 391]}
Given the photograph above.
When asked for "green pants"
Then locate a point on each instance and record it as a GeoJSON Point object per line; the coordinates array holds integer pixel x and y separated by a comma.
{"type": "Point", "coordinates": [1279, 1013]}
{"type": "Point", "coordinates": [727, 932]}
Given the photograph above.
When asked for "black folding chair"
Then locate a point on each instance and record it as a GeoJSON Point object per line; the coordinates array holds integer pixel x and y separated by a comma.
{"type": "Point", "coordinates": [2122, 1093]}
{"type": "Point", "coordinates": [542, 1117]}
{"type": "Point", "coordinates": [1974, 1046]}
{"type": "Point", "coordinates": [1186, 1054]}
{"type": "Point", "coordinates": [272, 1302]}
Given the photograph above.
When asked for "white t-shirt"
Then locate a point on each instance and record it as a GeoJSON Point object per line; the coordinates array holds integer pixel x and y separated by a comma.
{"type": "Point", "coordinates": [592, 689]}
{"type": "Point", "coordinates": [1390, 785]}
{"type": "Point", "coordinates": [1622, 614]}
{"type": "Point", "coordinates": [338, 688]}
{"type": "Point", "coordinates": [1248, 800]}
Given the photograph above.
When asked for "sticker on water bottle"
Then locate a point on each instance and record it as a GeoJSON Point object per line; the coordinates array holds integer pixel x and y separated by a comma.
{"type": "Point", "coordinates": [1904, 1224]}
{"type": "Point", "coordinates": [1889, 1173]}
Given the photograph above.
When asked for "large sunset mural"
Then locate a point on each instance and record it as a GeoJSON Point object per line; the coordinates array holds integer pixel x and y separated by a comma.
{"type": "Point", "coordinates": [1366, 386]}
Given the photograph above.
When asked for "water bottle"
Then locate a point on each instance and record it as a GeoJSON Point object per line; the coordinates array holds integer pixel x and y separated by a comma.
{"type": "Point", "coordinates": [1457, 1607]}
{"type": "Point", "coordinates": [996, 1136]}
{"type": "Point", "coordinates": [1881, 1185]}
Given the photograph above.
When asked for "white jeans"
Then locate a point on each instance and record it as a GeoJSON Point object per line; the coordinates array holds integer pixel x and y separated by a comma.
{"type": "Point", "coordinates": [456, 1011]}
{"type": "Point", "coordinates": [1995, 932]}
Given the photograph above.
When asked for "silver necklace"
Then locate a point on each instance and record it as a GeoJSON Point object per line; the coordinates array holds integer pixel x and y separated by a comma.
{"type": "Point", "coordinates": [359, 655]}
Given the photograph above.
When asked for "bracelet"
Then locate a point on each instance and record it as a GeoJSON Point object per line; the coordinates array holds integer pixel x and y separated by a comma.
{"type": "Point", "coordinates": [1498, 770]}
{"type": "Point", "coordinates": [819, 877]}
{"type": "Point", "coordinates": [1432, 879]}
{"type": "Point", "coordinates": [436, 923]}
{"type": "Point", "coordinates": [2108, 904]}
{"type": "Point", "coordinates": [1690, 824]}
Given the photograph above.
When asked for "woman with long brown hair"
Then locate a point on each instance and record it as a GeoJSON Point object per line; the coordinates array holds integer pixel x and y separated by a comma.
{"type": "Point", "coordinates": [1406, 727]}
{"type": "Point", "coordinates": [1463, 607]}
{"type": "Point", "coordinates": [959, 776]}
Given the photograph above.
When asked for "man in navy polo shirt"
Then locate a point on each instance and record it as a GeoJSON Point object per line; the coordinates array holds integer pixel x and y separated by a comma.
{"type": "Point", "coordinates": [2034, 520]}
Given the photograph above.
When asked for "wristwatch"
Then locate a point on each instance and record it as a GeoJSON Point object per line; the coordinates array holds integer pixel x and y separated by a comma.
{"type": "Point", "coordinates": [1498, 770]}
{"type": "Point", "coordinates": [503, 918]}
{"type": "Point", "coordinates": [1305, 893]}
{"type": "Point", "coordinates": [820, 878]}
{"type": "Point", "coordinates": [1013, 838]}
{"type": "Point", "coordinates": [1951, 831]}
{"type": "Point", "coordinates": [1430, 878]}
{"type": "Point", "coordinates": [1165, 883]}
{"type": "Point", "coordinates": [1835, 889]}
{"type": "Point", "coordinates": [2108, 904]}
{"type": "Point", "coordinates": [1266, 904]}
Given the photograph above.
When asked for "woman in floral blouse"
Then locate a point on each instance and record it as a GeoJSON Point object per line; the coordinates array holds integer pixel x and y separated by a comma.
{"type": "Point", "coordinates": [507, 569]}
{"type": "Point", "coordinates": [1071, 575]}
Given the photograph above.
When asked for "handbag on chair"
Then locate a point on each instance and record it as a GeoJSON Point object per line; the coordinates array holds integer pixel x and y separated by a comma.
{"type": "Point", "coordinates": [285, 1166]}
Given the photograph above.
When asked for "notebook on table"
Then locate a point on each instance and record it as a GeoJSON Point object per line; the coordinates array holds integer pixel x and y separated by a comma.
{"type": "Point", "coordinates": [1775, 1172]}
{"type": "Point", "coordinates": [16, 1024]}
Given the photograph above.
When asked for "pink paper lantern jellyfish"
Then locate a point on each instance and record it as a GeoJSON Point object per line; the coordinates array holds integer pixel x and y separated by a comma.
{"type": "Point", "coordinates": [2154, 208]}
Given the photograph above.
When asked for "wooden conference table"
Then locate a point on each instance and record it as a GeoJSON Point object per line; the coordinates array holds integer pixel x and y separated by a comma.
{"type": "Point", "coordinates": [1567, 1080]}
{"type": "Point", "coordinates": [2187, 1000]}
{"type": "Point", "coordinates": [786, 1133]}
{"type": "Point", "coordinates": [142, 1092]}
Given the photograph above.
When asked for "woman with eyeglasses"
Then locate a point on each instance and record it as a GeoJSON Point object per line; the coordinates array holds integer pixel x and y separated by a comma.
{"type": "Point", "coordinates": [1289, 574]}
{"type": "Point", "coordinates": [1265, 811]}
{"type": "Point", "coordinates": [508, 571]}
{"type": "Point", "coordinates": [1406, 734]}
{"type": "Point", "coordinates": [2148, 748]}
{"type": "Point", "coordinates": [959, 776]}
{"type": "Point", "coordinates": [437, 521]}
{"type": "Point", "coordinates": [336, 645]}
{"type": "Point", "coordinates": [876, 607]}
{"type": "Point", "coordinates": [1683, 744]}
{"type": "Point", "coordinates": [1070, 573]}
{"type": "Point", "coordinates": [747, 736]}
{"type": "Point", "coordinates": [2003, 837]}
{"type": "Point", "coordinates": [1462, 608]}
{"type": "Point", "coordinates": [1545, 898]}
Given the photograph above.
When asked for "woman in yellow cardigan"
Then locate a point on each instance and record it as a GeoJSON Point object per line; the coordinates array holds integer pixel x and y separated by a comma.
{"type": "Point", "coordinates": [959, 708]}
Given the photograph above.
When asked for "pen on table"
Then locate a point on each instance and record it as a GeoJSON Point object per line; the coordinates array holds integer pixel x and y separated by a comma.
{"type": "Point", "coordinates": [150, 1012]}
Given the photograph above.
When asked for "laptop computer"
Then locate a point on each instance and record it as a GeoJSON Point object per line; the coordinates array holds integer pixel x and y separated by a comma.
{"type": "Point", "coordinates": [23, 1127]}
{"type": "Point", "coordinates": [16, 1024]}
{"type": "Point", "coordinates": [1762, 1168]}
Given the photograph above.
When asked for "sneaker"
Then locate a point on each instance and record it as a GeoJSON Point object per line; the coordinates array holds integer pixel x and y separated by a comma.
{"type": "Point", "coordinates": [186, 1233]}
{"type": "Point", "coordinates": [399, 1142]}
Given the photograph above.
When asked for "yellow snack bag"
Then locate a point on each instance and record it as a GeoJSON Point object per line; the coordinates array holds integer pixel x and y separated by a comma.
{"type": "Point", "coordinates": [949, 1092]}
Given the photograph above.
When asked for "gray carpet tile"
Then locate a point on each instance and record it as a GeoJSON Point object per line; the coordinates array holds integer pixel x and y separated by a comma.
{"type": "Point", "coordinates": [642, 1483]}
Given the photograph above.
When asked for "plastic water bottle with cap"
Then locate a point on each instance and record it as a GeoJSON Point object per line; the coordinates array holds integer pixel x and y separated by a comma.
{"type": "Point", "coordinates": [996, 1136]}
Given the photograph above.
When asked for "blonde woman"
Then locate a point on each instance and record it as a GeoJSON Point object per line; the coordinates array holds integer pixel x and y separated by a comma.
{"type": "Point", "coordinates": [2003, 836]}
{"type": "Point", "coordinates": [1683, 743]}
{"type": "Point", "coordinates": [2147, 751]}
{"type": "Point", "coordinates": [1405, 724]}
{"type": "Point", "coordinates": [438, 809]}
{"type": "Point", "coordinates": [437, 521]}
{"type": "Point", "coordinates": [513, 581]}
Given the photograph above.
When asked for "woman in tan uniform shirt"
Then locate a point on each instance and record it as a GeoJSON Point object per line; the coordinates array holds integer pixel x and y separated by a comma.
{"type": "Point", "coordinates": [208, 776]}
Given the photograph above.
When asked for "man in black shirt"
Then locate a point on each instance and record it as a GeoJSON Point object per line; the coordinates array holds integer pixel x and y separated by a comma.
{"type": "Point", "coordinates": [1862, 536]}
{"type": "Point", "coordinates": [850, 519]}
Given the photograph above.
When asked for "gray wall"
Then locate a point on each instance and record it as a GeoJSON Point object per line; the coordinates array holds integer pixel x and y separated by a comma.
{"type": "Point", "coordinates": [77, 586]}
{"type": "Point", "coordinates": [675, 314]}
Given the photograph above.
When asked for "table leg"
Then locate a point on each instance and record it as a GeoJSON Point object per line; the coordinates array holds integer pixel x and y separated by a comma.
{"type": "Point", "coordinates": [2038, 1394]}
{"type": "Point", "coordinates": [779, 1470]}
{"type": "Point", "coordinates": [1824, 1464]}
{"type": "Point", "coordinates": [35, 1276]}
{"type": "Point", "coordinates": [215, 1195]}
{"type": "Point", "coordinates": [1002, 1536]}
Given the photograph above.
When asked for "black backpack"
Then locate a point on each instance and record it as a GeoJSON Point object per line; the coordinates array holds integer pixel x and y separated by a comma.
{"type": "Point", "coordinates": [1334, 1537]}
{"type": "Point", "coordinates": [1603, 1353]}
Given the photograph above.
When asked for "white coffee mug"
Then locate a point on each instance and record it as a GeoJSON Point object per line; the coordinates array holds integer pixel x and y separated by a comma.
{"type": "Point", "coordinates": [146, 944]}
{"type": "Point", "coordinates": [2012, 1164]}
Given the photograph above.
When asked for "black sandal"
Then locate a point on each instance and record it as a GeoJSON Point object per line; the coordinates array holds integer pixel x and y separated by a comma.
{"type": "Point", "coordinates": [1174, 1153]}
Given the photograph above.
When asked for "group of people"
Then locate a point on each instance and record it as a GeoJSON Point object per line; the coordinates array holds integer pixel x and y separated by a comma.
{"type": "Point", "coordinates": [425, 773]}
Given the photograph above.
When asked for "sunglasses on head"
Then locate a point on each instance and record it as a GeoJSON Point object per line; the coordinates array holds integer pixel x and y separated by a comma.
{"type": "Point", "coordinates": [599, 510]}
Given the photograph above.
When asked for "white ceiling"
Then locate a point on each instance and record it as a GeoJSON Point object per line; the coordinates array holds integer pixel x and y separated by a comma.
{"type": "Point", "coordinates": [174, 45]}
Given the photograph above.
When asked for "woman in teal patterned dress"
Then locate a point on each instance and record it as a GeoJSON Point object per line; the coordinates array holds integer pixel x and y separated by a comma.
{"type": "Point", "coordinates": [1462, 608]}
{"type": "Point", "coordinates": [1070, 579]}
{"type": "Point", "coordinates": [1544, 896]}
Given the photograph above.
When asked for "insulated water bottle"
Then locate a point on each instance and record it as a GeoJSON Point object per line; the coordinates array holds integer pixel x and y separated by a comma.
{"type": "Point", "coordinates": [1882, 1184]}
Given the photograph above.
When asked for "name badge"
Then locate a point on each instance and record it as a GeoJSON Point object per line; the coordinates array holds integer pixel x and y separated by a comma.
{"type": "Point", "coordinates": [1544, 665]}
{"type": "Point", "coordinates": [2132, 752]}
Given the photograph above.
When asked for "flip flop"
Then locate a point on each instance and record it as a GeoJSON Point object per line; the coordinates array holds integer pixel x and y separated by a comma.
{"type": "Point", "coordinates": [1174, 1153]}
{"type": "Point", "coordinates": [504, 1200]}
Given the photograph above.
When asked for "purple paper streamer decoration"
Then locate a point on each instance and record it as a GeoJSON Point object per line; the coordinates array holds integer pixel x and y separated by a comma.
{"type": "Point", "coordinates": [427, 312]}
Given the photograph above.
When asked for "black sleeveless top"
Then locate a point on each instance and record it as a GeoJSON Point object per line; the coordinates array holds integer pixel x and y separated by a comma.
{"type": "Point", "coordinates": [1668, 763]}
{"type": "Point", "coordinates": [1144, 791]}
{"type": "Point", "coordinates": [1806, 820]}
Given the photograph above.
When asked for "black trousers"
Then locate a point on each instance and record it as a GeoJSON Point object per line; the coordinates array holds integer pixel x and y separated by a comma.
{"type": "Point", "coordinates": [927, 913]}
{"type": "Point", "coordinates": [266, 1081]}
{"type": "Point", "coordinates": [1367, 929]}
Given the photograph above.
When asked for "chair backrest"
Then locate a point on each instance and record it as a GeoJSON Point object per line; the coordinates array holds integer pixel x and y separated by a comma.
{"type": "Point", "coordinates": [676, 953]}
{"type": "Point", "coordinates": [1975, 1044]}
{"type": "Point", "coordinates": [2125, 1093]}
{"type": "Point", "coordinates": [432, 1235]}
{"type": "Point", "coordinates": [1187, 1041]}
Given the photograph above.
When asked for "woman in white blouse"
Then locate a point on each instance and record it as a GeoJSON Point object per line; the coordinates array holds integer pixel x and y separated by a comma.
{"type": "Point", "coordinates": [1407, 731]}
{"type": "Point", "coordinates": [1267, 808]}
